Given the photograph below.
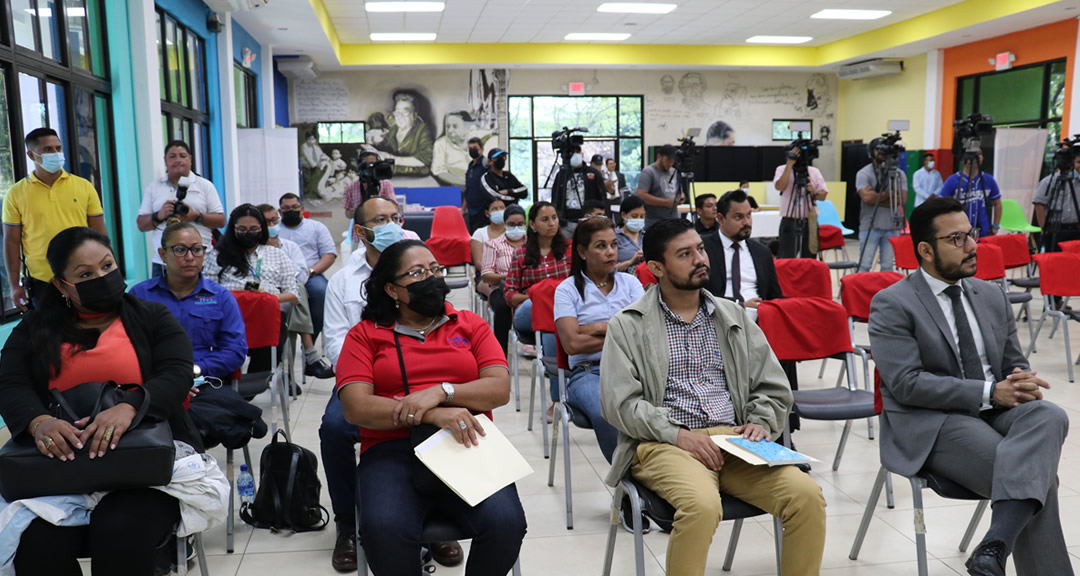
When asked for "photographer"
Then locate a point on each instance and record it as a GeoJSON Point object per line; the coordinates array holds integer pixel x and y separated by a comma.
{"type": "Point", "coordinates": [1061, 211]}
{"type": "Point", "coordinates": [658, 186]}
{"type": "Point", "coordinates": [184, 193]}
{"type": "Point", "coordinates": [880, 217]}
{"type": "Point", "coordinates": [796, 212]}
{"type": "Point", "coordinates": [975, 189]}
{"type": "Point", "coordinates": [575, 185]}
{"type": "Point", "coordinates": [362, 189]}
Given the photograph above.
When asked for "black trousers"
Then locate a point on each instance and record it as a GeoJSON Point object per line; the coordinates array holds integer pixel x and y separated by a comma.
{"type": "Point", "coordinates": [125, 530]}
{"type": "Point", "coordinates": [503, 317]}
{"type": "Point", "coordinates": [1065, 233]}
{"type": "Point", "coordinates": [788, 236]}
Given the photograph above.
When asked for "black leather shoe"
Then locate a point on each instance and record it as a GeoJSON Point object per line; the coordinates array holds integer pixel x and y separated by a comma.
{"type": "Point", "coordinates": [344, 559]}
{"type": "Point", "coordinates": [319, 369]}
{"type": "Point", "coordinates": [988, 559]}
{"type": "Point", "coordinates": [447, 553]}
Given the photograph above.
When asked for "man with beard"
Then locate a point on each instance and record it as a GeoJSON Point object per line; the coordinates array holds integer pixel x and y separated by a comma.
{"type": "Point", "coordinates": [712, 372]}
{"type": "Point", "coordinates": [962, 398]}
{"type": "Point", "coordinates": [742, 269]}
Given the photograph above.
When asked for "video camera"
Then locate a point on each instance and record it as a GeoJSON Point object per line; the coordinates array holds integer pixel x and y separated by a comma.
{"type": "Point", "coordinates": [969, 132]}
{"type": "Point", "coordinates": [563, 141]}
{"type": "Point", "coordinates": [371, 173]}
{"type": "Point", "coordinates": [890, 145]}
{"type": "Point", "coordinates": [1065, 154]}
{"type": "Point", "coordinates": [687, 152]}
{"type": "Point", "coordinates": [179, 208]}
{"type": "Point", "coordinates": [808, 151]}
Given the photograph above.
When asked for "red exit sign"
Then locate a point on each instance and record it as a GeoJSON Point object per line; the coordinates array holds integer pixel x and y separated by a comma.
{"type": "Point", "coordinates": [1004, 60]}
{"type": "Point", "coordinates": [577, 88]}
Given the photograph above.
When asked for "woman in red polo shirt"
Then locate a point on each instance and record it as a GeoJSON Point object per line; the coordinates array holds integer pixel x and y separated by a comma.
{"type": "Point", "coordinates": [455, 368]}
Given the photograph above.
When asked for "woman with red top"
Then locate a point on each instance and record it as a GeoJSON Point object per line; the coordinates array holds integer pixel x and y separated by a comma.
{"type": "Point", "coordinates": [454, 368]}
{"type": "Point", "coordinates": [88, 330]}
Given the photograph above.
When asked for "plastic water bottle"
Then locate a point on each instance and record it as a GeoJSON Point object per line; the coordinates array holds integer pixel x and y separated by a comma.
{"type": "Point", "coordinates": [245, 485]}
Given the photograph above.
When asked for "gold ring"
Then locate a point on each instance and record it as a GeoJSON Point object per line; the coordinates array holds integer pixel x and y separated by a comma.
{"type": "Point", "coordinates": [108, 433]}
{"type": "Point", "coordinates": [48, 442]}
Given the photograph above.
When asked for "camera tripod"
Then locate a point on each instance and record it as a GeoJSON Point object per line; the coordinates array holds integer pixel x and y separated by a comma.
{"type": "Point", "coordinates": [564, 174]}
{"type": "Point", "coordinates": [889, 179]}
{"type": "Point", "coordinates": [799, 193]}
{"type": "Point", "coordinates": [1060, 186]}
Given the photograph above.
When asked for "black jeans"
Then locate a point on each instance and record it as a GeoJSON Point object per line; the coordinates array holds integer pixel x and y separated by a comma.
{"type": "Point", "coordinates": [503, 316]}
{"type": "Point", "coordinates": [125, 530]}
{"type": "Point", "coordinates": [788, 236]}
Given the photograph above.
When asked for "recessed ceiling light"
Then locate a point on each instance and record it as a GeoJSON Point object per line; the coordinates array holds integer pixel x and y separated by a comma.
{"type": "Point", "coordinates": [283, 29]}
{"type": "Point", "coordinates": [636, 8]}
{"type": "Point", "coordinates": [405, 6]}
{"type": "Point", "coordinates": [402, 36]}
{"type": "Point", "coordinates": [837, 14]}
{"type": "Point", "coordinates": [601, 37]}
{"type": "Point", "coordinates": [779, 39]}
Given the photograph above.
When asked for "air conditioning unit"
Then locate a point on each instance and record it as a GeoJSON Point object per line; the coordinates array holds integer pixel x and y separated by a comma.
{"type": "Point", "coordinates": [235, 5]}
{"type": "Point", "coordinates": [871, 69]}
{"type": "Point", "coordinates": [300, 68]}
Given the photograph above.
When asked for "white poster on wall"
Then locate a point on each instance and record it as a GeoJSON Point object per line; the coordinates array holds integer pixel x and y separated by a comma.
{"type": "Point", "coordinates": [1018, 161]}
{"type": "Point", "coordinates": [268, 164]}
{"type": "Point", "coordinates": [325, 99]}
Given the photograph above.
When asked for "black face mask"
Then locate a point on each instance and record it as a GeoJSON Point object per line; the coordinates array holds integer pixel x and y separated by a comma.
{"type": "Point", "coordinates": [474, 153]}
{"type": "Point", "coordinates": [499, 163]}
{"type": "Point", "coordinates": [248, 240]}
{"type": "Point", "coordinates": [291, 218]}
{"type": "Point", "coordinates": [102, 294]}
{"type": "Point", "coordinates": [428, 297]}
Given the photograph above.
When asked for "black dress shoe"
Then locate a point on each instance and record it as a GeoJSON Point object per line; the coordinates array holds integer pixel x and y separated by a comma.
{"type": "Point", "coordinates": [344, 559]}
{"type": "Point", "coordinates": [988, 559]}
{"type": "Point", "coordinates": [447, 553]}
{"type": "Point", "coordinates": [319, 369]}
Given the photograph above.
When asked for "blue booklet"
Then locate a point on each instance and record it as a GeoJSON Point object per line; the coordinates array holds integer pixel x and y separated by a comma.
{"type": "Point", "coordinates": [764, 452]}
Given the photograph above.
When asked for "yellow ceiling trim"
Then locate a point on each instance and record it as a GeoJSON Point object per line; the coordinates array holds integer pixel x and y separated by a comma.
{"type": "Point", "coordinates": [327, 26]}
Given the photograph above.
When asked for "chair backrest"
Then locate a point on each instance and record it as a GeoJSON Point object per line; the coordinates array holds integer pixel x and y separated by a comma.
{"type": "Point", "coordinates": [828, 215]}
{"type": "Point", "coordinates": [644, 276]}
{"type": "Point", "coordinates": [989, 262]}
{"type": "Point", "coordinates": [542, 295]}
{"type": "Point", "coordinates": [1070, 246]}
{"type": "Point", "coordinates": [804, 328]}
{"type": "Point", "coordinates": [1057, 273]}
{"type": "Point", "coordinates": [829, 237]}
{"type": "Point", "coordinates": [904, 252]}
{"type": "Point", "coordinates": [857, 290]}
{"type": "Point", "coordinates": [1014, 248]}
{"type": "Point", "coordinates": [448, 222]}
{"type": "Point", "coordinates": [262, 318]}
{"type": "Point", "coordinates": [804, 277]}
{"type": "Point", "coordinates": [1013, 217]}
{"type": "Point", "coordinates": [450, 240]}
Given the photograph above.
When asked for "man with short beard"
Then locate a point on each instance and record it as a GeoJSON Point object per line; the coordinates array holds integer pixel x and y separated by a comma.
{"type": "Point", "coordinates": [742, 268]}
{"type": "Point", "coordinates": [680, 365]}
{"type": "Point", "coordinates": [964, 402]}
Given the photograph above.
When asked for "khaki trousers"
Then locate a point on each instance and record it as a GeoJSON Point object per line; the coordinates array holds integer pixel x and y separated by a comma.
{"type": "Point", "coordinates": [694, 491]}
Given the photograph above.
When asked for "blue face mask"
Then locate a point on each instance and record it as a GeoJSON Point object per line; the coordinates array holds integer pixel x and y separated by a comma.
{"type": "Point", "coordinates": [273, 231]}
{"type": "Point", "coordinates": [385, 235]}
{"type": "Point", "coordinates": [496, 218]}
{"type": "Point", "coordinates": [635, 224]}
{"type": "Point", "coordinates": [52, 162]}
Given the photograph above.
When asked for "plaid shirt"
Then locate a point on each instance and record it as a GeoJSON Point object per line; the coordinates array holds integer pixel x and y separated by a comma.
{"type": "Point", "coordinates": [354, 198]}
{"type": "Point", "coordinates": [696, 391]}
{"type": "Point", "coordinates": [521, 277]}
{"type": "Point", "coordinates": [276, 272]}
{"type": "Point", "coordinates": [498, 254]}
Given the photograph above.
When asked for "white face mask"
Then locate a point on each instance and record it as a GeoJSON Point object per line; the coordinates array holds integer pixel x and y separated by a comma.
{"type": "Point", "coordinates": [576, 160]}
{"type": "Point", "coordinates": [515, 233]}
{"type": "Point", "coordinates": [930, 165]}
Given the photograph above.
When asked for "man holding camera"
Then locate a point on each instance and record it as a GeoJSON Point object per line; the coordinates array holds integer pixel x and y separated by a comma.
{"type": "Point", "coordinates": [796, 207]}
{"type": "Point", "coordinates": [574, 187]}
{"type": "Point", "coordinates": [658, 186]}
{"type": "Point", "coordinates": [880, 217]}
{"type": "Point", "coordinates": [1057, 213]}
{"type": "Point", "coordinates": [183, 194]}
{"type": "Point", "coordinates": [975, 189]}
{"type": "Point", "coordinates": [361, 190]}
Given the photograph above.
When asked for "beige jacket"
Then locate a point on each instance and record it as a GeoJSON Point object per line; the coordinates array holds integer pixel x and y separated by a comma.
{"type": "Point", "coordinates": [634, 372]}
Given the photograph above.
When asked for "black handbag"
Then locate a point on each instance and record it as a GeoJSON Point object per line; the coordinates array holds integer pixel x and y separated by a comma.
{"type": "Point", "coordinates": [424, 480]}
{"type": "Point", "coordinates": [143, 457]}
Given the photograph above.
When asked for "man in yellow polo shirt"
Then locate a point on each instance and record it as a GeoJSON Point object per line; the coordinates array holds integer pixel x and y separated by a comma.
{"type": "Point", "coordinates": [38, 207]}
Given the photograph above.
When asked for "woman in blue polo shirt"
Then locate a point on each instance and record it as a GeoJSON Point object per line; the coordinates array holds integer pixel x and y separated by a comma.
{"type": "Point", "coordinates": [584, 303]}
{"type": "Point", "coordinates": [207, 311]}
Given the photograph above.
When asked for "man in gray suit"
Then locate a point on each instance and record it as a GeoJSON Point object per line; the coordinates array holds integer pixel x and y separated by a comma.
{"type": "Point", "coordinates": [960, 399]}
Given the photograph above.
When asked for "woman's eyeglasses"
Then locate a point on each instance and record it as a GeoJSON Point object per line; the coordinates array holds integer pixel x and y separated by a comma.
{"type": "Point", "coordinates": [179, 250]}
{"type": "Point", "coordinates": [421, 273]}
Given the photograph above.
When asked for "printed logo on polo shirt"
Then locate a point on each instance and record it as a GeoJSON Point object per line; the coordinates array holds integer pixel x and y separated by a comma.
{"type": "Point", "coordinates": [458, 342]}
{"type": "Point", "coordinates": [205, 300]}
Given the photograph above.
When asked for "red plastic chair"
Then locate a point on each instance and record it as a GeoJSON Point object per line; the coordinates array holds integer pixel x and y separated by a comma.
{"type": "Point", "coordinates": [804, 277]}
{"type": "Point", "coordinates": [856, 293]}
{"type": "Point", "coordinates": [832, 238]}
{"type": "Point", "coordinates": [450, 243]}
{"type": "Point", "coordinates": [990, 262]}
{"type": "Point", "coordinates": [1070, 246]}
{"type": "Point", "coordinates": [644, 275]}
{"type": "Point", "coordinates": [542, 296]}
{"type": "Point", "coordinates": [904, 252]}
{"type": "Point", "coordinates": [1057, 277]}
{"type": "Point", "coordinates": [1017, 253]}
{"type": "Point", "coordinates": [800, 329]}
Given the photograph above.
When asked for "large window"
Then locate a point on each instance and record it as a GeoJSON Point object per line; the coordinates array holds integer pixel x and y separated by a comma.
{"type": "Point", "coordinates": [54, 73]}
{"type": "Point", "coordinates": [182, 78]}
{"type": "Point", "coordinates": [1029, 96]}
{"type": "Point", "coordinates": [615, 131]}
{"type": "Point", "coordinates": [341, 132]}
{"type": "Point", "coordinates": [247, 112]}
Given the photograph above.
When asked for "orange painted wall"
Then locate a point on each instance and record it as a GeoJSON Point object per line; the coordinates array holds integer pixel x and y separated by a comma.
{"type": "Point", "coordinates": [1049, 42]}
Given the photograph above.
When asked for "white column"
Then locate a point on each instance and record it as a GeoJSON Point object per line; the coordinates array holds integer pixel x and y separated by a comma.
{"type": "Point", "coordinates": [145, 67]}
{"type": "Point", "coordinates": [1074, 94]}
{"type": "Point", "coordinates": [935, 61]}
{"type": "Point", "coordinates": [266, 74]}
{"type": "Point", "coordinates": [228, 114]}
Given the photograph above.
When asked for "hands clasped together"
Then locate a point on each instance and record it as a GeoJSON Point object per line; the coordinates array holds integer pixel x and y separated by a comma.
{"type": "Point", "coordinates": [424, 408]}
{"type": "Point", "coordinates": [55, 437]}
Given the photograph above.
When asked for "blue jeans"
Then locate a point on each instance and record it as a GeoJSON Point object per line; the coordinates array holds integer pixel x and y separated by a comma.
{"type": "Point", "coordinates": [523, 326]}
{"type": "Point", "coordinates": [393, 512]}
{"type": "Point", "coordinates": [583, 395]}
{"type": "Point", "coordinates": [316, 293]}
{"type": "Point", "coordinates": [875, 240]}
{"type": "Point", "coordinates": [337, 441]}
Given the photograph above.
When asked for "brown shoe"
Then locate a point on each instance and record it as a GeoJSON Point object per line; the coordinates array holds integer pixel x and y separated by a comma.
{"type": "Point", "coordinates": [344, 559]}
{"type": "Point", "coordinates": [447, 553]}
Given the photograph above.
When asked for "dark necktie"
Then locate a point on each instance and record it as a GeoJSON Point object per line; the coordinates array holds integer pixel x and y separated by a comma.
{"type": "Point", "coordinates": [736, 273]}
{"type": "Point", "coordinates": [969, 355]}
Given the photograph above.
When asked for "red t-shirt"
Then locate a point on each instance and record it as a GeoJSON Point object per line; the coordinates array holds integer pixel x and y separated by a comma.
{"type": "Point", "coordinates": [112, 359]}
{"type": "Point", "coordinates": [455, 352]}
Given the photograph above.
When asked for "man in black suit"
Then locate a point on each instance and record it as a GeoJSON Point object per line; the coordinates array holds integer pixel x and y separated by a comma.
{"type": "Point", "coordinates": [754, 279]}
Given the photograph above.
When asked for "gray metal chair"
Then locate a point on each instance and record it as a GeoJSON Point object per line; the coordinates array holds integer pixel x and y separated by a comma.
{"type": "Point", "coordinates": [182, 556]}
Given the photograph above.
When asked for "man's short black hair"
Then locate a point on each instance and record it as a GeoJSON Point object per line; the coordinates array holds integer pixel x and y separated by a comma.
{"type": "Point", "coordinates": [667, 151]}
{"type": "Point", "coordinates": [475, 140]}
{"type": "Point", "coordinates": [724, 203]}
{"type": "Point", "coordinates": [699, 200]}
{"type": "Point", "coordinates": [365, 154]}
{"type": "Point", "coordinates": [659, 235]}
{"type": "Point", "coordinates": [289, 196]}
{"type": "Point", "coordinates": [593, 204]}
{"type": "Point", "coordinates": [921, 222]}
{"type": "Point", "coordinates": [37, 134]}
{"type": "Point", "coordinates": [177, 144]}
{"type": "Point", "coordinates": [741, 182]}
{"type": "Point", "coordinates": [929, 155]}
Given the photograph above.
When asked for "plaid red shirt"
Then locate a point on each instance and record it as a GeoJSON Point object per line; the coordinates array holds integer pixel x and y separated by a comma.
{"type": "Point", "coordinates": [521, 277]}
{"type": "Point", "coordinates": [696, 391]}
{"type": "Point", "coordinates": [354, 197]}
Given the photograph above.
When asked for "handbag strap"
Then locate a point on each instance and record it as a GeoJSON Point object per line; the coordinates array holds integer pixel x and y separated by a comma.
{"type": "Point", "coordinates": [401, 361]}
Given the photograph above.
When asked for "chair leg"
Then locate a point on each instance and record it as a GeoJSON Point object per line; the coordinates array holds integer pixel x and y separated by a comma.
{"type": "Point", "coordinates": [230, 520]}
{"type": "Point", "coordinates": [512, 352]}
{"type": "Point", "coordinates": [517, 567]}
{"type": "Point", "coordinates": [1068, 348]}
{"type": "Point", "coordinates": [566, 471]}
{"type": "Point", "coordinates": [542, 383]}
{"type": "Point", "coordinates": [890, 502]}
{"type": "Point", "coordinates": [917, 485]}
{"type": "Point", "coordinates": [868, 514]}
{"type": "Point", "coordinates": [555, 443]}
{"type": "Point", "coordinates": [840, 448]}
{"type": "Point", "coordinates": [973, 524]}
{"type": "Point", "coordinates": [613, 530]}
{"type": "Point", "coordinates": [532, 396]}
{"type": "Point", "coordinates": [639, 541]}
{"type": "Point", "coordinates": [181, 556]}
{"type": "Point", "coordinates": [736, 529]}
{"type": "Point", "coordinates": [1038, 329]}
{"type": "Point", "coordinates": [821, 372]}
{"type": "Point", "coordinates": [200, 552]}
{"type": "Point", "coordinates": [778, 538]}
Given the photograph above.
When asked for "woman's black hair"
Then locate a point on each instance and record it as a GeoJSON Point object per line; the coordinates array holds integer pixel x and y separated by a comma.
{"type": "Point", "coordinates": [57, 323]}
{"type": "Point", "coordinates": [493, 199]}
{"type": "Point", "coordinates": [583, 236]}
{"type": "Point", "coordinates": [532, 239]}
{"type": "Point", "coordinates": [380, 306]}
{"type": "Point", "coordinates": [512, 209]}
{"type": "Point", "coordinates": [230, 253]}
{"type": "Point", "coordinates": [631, 203]}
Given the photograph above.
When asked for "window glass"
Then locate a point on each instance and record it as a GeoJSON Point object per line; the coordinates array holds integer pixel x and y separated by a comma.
{"type": "Point", "coordinates": [341, 132]}
{"type": "Point", "coordinates": [161, 54]}
{"type": "Point", "coordinates": [105, 164]}
{"type": "Point", "coordinates": [96, 31]}
{"type": "Point", "coordinates": [240, 97]}
{"type": "Point", "coordinates": [78, 30]}
{"type": "Point", "coordinates": [1012, 96]}
{"type": "Point", "coordinates": [520, 117]}
{"type": "Point", "coordinates": [85, 160]}
{"type": "Point", "coordinates": [22, 16]}
{"type": "Point", "coordinates": [50, 40]}
{"type": "Point", "coordinates": [58, 114]}
{"type": "Point", "coordinates": [1056, 93]}
{"type": "Point", "coordinates": [33, 104]}
{"type": "Point", "coordinates": [164, 130]}
{"type": "Point", "coordinates": [521, 160]}
{"type": "Point", "coordinates": [171, 65]}
{"type": "Point", "coordinates": [630, 157]}
{"type": "Point", "coordinates": [176, 131]}
{"type": "Point", "coordinates": [630, 116]}
{"type": "Point", "coordinates": [181, 73]}
{"type": "Point", "coordinates": [194, 58]}
{"type": "Point", "coordinates": [967, 97]}
{"type": "Point", "coordinates": [552, 113]}
{"type": "Point", "coordinates": [7, 179]}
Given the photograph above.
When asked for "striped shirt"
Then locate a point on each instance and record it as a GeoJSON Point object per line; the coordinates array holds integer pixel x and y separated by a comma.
{"type": "Point", "coordinates": [269, 266]}
{"type": "Point", "coordinates": [498, 254]}
{"type": "Point", "coordinates": [696, 391]}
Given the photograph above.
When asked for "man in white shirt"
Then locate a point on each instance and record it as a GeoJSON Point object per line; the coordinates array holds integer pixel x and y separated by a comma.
{"type": "Point", "coordinates": [927, 181]}
{"type": "Point", "coordinates": [201, 206]}
{"type": "Point", "coordinates": [319, 251]}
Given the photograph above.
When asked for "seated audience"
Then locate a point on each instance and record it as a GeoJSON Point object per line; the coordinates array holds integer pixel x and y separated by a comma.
{"type": "Point", "coordinates": [498, 254]}
{"type": "Point", "coordinates": [411, 335]}
{"type": "Point", "coordinates": [705, 206]}
{"type": "Point", "coordinates": [631, 233]}
{"type": "Point", "coordinates": [741, 268]}
{"type": "Point", "coordinates": [206, 310]}
{"type": "Point", "coordinates": [243, 261]}
{"type": "Point", "coordinates": [712, 372]}
{"type": "Point", "coordinates": [594, 208]}
{"type": "Point", "coordinates": [584, 303]}
{"type": "Point", "coordinates": [87, 330]}
{"type": "Point", "coordinates": [484, 234]}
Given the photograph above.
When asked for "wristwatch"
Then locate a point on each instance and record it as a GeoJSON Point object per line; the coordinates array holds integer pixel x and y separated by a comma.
{"type": "Point", "coordinates": [310, 271]}
{"type": "Point", "coordinates": [993, 403]}
{"type": "Point", "coordinates": [199, 218]}
{"type": "Point", "coordinates": [449, 389]}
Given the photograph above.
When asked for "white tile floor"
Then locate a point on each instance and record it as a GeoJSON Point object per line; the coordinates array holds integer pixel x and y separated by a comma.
{"type": "Point", "coordinates": [549, 548]}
